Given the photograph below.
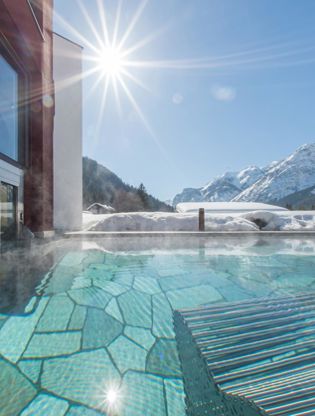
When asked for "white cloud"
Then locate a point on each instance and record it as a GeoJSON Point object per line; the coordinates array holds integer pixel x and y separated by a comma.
{"type": "Point", "coordinates": [177, 98]}
{"type": "Point", "coordinates": [223, 93]}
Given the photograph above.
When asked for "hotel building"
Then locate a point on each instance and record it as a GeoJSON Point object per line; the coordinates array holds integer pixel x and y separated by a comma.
{"type": "Point", "coordinates": [32, 168]}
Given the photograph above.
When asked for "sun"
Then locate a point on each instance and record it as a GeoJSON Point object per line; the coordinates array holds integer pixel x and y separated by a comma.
{"type": "Point", "coordinates": [111, 62]}
{"type": "Point", "coordinates": [110, 58]}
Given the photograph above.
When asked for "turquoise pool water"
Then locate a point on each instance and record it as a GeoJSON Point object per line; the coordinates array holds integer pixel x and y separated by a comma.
{"type": "Point", "coordinates": [96, 336]}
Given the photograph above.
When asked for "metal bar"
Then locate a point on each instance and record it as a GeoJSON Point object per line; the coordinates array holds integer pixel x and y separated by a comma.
{"type": "Point", "coordinates": [286, 409]}
{"type": "Point", "coordinates": [250, 314]}
{"type": "Point", "coordinates": [258, 356]}
{"type": "Point", "coordinates": [254, 319]}
{"type": "Point", "coordinates": [238, 313]}
{"type": "Point", "coordinates": [221, 350]}
{"type": "Point", "coordinates": [260, 332]}
{"type": "Point", "coordinates": [247, 303]}
{"type": "Point", "coordinates": [272, 384]}
{"type": "Point", "coordinates": [286, 389]}
{"type": "Point", "coordinates": [219, 378]}
{"type": "Point", "coordinates": [261, 324]}
{"type": "Point", "coordinates": [270, 377]}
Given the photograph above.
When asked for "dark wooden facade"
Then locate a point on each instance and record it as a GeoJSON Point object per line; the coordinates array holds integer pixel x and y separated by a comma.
{"type": "Point", "coordinates": [26, 42]}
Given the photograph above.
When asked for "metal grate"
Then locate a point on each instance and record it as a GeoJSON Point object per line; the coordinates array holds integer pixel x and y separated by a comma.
{"type": "Point", "coordinates": [248, 358]}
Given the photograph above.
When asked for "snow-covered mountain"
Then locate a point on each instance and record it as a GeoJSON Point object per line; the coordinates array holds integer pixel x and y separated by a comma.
{"type": "Point", "coordinates": [222, 188]}
{"type": "Point", "coordinates": [188, 195]}
{"type": "Point", "coordinates": [249, 176]}
{"type": "Point", "coordinates": [231, 184]}
{"type": "Point", "coordinates": [271, 183]}
{"type": "Point", "coordinates": [290, 175]}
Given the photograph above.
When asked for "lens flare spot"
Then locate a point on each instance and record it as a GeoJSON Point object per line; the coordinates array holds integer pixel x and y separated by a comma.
{"type": "Point", "coordinates": [48, 101]}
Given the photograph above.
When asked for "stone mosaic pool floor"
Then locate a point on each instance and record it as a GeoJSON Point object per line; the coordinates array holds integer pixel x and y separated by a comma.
{"type": "Point", "coordinates": [101, 322]}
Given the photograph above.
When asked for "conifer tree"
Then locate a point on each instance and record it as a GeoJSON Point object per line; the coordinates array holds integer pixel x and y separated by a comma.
{"type": "Point", "coordinates": [142, 192]}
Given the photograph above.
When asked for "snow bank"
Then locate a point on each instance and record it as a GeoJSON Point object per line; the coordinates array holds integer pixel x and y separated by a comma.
{"type": "Point", "coordinates": [227, 207]}
{"type": "Point", "coordinates": [89, 219]}
{"type": "Point", "coordinates": [147, 221]}
{"type": "Point", "coordinates": [270, 221]}
{"type": "Point", "coordinates": [161, 221]}
{"type": "Point", "coordinates": [229, 223]}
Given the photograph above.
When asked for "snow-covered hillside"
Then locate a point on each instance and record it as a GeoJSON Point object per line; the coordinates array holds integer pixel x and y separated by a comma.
{"type": "Point", "coordinates": [269, 184]}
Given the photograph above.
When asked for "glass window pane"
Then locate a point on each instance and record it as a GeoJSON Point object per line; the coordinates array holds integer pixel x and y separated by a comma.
{"type": "Point", "coordinates": [7, 211]}
{"type": "Point", "coordinates": [8, 110]}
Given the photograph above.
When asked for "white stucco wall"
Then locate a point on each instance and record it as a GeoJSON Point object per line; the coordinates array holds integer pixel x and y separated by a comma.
{"type": "Point", "coordinates": [67, 135]}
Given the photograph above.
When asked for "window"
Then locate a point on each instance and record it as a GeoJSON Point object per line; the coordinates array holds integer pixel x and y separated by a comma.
{"type": "Point", "coordinates": [8, 211]}
{"type": "Point", "coordinates": [9, 113]}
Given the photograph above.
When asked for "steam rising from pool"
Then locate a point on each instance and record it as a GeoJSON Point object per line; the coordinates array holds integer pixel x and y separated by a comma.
{"type": "Point", "coordinates": [95, 326]}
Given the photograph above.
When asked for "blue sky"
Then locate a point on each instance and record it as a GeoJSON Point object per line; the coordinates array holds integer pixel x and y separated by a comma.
{"type": "Point", "coordinates": [231, 83]}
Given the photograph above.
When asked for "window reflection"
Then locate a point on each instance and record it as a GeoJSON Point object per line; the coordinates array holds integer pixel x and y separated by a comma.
{"type": "Point", "coordinates": [7, 211]}
{"type": "Point", "coordinates": [8, 110]}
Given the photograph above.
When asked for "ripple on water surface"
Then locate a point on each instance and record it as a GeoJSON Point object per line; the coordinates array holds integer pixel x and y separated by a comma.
{"type": "Point", "coordinates": [98, 335]}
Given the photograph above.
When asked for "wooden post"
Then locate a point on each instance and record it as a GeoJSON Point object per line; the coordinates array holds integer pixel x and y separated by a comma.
{"type": "Point", "coordinates": [201, 219]}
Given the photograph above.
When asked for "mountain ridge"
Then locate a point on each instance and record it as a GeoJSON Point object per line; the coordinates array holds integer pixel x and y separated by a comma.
{"type": "Point", "coordinates": [273, 183]}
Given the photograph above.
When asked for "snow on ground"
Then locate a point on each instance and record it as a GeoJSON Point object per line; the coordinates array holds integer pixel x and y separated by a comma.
{"type": "Point", "coordinates": [162, 221]}
{"type": "Point", "coordinates": [286, 221]}
{"type": "Point", "coordinates": [89, 219]}
{"type": "Point", "coordinates": [226, 207]}
{"type": "Point", "coordinates": [147, 221]}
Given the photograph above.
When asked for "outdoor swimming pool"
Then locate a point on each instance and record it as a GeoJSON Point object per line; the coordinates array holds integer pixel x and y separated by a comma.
{"type": "Point", "coordinates": [95, 334]}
